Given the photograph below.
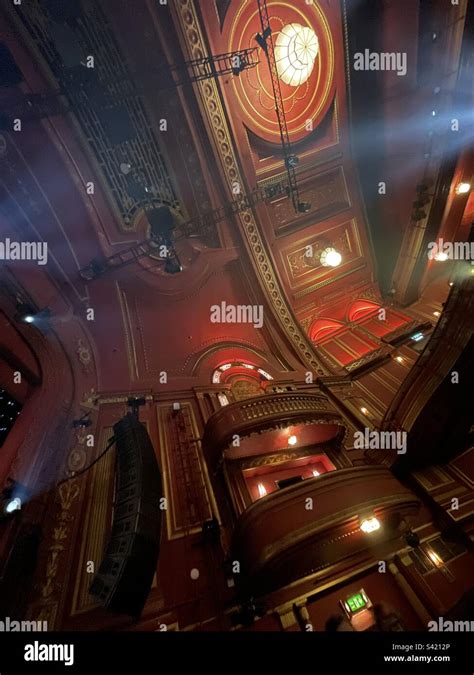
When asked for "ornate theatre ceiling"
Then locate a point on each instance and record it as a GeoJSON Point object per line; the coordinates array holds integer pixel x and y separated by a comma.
{"type": "Point", "coordinates": [219, 133]}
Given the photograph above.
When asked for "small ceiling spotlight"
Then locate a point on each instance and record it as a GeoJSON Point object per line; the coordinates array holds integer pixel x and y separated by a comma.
{"type": "Point", "coordinates": [451, 283]}
{"type": "Point", "coordinates": [304, 207]}
{"type": "Point", "coordinates": [399, 359]}
{"type": "Point", "coordinates": [12, 505]}
{"type": "Point", "coordinates": [462, 188]}
{"type": "Point", "coordinates": [412, 539]}
{"type": "Point", "coordinates": [315, 473]}
{"type": "Point", "coordinates": [368, 525]}
{"type": "Point", "coordinates": [292, 440]}
{"type": "Point", "coordinates": [27, 314]}
{"type": "Point", "coordinates": [13, 497]}
{"type": "Point", "coordinates": [125, 168]}
{"type": "Point", "coordinates": [418, 214]}
{"type": "Point", "coordinates": [82, 423]}
{"type": "Point", "coordinates": [262, 39]}
{"type": "Point", "coordinates": [330, 257]}
{"type": "Point", "coordinates": [441, 256]}
{"type": "Point", "coordinates": [172, 265]}
{"type": "Point", "coordinates": [291, 161]}
{"type": "Point", "coordinates": [364, 411]}
{"type": "Point", "coordinates": [436, 313]}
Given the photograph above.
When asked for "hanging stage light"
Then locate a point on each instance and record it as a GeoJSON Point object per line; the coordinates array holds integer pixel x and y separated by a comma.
{"type": "Point", "coordinates": [25, 313]}
{"type": "Point", "coordinates": [28, 314]}
{"type": "Point", "coordinates": [13, 497]}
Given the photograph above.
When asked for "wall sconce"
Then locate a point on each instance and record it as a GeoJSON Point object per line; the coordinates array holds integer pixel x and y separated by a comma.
{"type": "Point", "coordinates": [370, 524]}
{"type": "Point", "coordinates": [435, 559]}
{"type": "Point", "coordinates": [462, 188]}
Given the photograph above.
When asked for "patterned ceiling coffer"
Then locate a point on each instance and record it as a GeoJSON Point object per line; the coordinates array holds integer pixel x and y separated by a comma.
{"type": "Point", "coordinates": [106, 104]}
{"type": "Point", "coordinates": [327, 192]}
{"type": "Point", "coordinates": [195, 44]}
{"type": "Point", "coordinates": [302, 262]}
{"type": "Point", "coordinates": [306, 95]}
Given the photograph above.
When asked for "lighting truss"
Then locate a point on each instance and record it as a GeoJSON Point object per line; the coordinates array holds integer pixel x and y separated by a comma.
{"type": "Point", "coordinates": [34, 106]}
{"type": "Point", "coordinates": [199, 226]}
{"type": "Point", "coordinates": [217, 65]}
{"type": "Point", "coordinates": [265, 40]}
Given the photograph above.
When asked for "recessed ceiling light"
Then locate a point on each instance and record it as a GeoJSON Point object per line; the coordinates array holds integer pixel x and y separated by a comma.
{"type": "Point", "coordinates": [436, 313]}
{"type": "Point", "coordinates": [364, 411]}
{"type": "Point", "coordinates": [292, 440]}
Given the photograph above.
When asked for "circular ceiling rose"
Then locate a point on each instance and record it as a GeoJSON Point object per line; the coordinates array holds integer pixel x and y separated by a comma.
{"type": "Point", "coordinates": [304, 50]}
{"type": "Point", "coordinates": [296, 49]}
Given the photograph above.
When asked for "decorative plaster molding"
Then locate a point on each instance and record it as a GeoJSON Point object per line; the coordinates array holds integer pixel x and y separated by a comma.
{"type": "Point", "coordinates": [187, 17]}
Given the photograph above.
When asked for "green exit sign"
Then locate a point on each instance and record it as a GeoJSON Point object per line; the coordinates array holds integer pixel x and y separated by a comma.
{"type": "Point", "coordinates": [356, 602]}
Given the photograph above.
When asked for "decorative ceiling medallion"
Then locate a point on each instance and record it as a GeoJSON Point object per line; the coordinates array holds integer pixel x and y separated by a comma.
{"type": "Point", "coordinates": [305, 63]}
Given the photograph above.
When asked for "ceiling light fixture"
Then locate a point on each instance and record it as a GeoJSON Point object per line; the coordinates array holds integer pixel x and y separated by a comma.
{"type": "Point", "coordinates": [368, 525]}
{"type": "Point", "coordinates": [296, 48]}
{"type": "Point", "coordinates": [462, 188]}
{"type": "Point", "coordinates": [417, 337]}
{"type": "Point", "coordinates": [28, 314]}
{"type": "Point", "coordinates": [12, 505]}
{"type": "Point", "coordinates": [330, 257]}
{"type": "Point", "coordinates": [435, 558]}
{"type": "Point", "coordinates": [292, 440]}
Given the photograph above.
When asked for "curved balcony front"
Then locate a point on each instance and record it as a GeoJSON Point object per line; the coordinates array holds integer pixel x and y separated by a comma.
{"type": "Point", "coordinates": [265, 412]}
{"type": "Point", "coordinates": [296, 531]}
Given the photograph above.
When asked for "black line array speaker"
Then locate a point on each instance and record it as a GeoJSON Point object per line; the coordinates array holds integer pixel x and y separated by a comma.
{"type": "Point", "coordinates": [124, 579]}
